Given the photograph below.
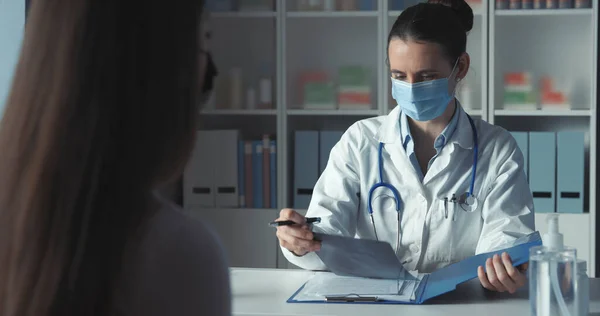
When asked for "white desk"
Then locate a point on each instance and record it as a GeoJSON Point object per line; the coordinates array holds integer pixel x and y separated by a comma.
{"type": "Point", "coordinates": [265, 292]}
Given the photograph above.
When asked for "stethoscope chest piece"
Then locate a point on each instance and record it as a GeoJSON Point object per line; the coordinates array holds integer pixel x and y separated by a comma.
{"type": "Point", "coordinates": [468, 202]}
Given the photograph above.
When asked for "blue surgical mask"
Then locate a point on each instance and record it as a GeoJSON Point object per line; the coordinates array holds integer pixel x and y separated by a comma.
{"type": "Point", "coordinates": [423, 101]}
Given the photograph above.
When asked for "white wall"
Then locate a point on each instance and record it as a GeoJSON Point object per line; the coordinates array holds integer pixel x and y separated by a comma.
{"type": "Point", "coordinates": [12, 22]}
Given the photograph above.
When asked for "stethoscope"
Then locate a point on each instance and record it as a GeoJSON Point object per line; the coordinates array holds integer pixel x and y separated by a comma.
{"type": "Point", "coordinates": [467, 199]}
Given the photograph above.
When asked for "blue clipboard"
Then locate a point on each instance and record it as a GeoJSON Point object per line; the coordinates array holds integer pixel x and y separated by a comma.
{"type": "Point", "coordinates": [443, 280]}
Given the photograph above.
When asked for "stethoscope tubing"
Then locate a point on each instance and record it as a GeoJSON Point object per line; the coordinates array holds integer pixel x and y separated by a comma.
{"type": "Point", "coordinates": [397, 199]}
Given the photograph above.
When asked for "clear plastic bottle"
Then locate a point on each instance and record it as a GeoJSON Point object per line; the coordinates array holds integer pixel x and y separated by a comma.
{"type": "Point", "coordinates": [553, 275]}
{"type": "Point", "coordinates": [583, 288]}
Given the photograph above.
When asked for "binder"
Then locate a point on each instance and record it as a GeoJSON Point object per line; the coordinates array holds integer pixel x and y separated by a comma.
{"type": "Point", "coordinates": [411, 288]}
{"type": "Point", "coordinates": [570, 149]}
{"type": "Point", "coordinates": [366, 5]}
{"type": "Point", "coordinates": [306, 167]}
{"type": "Point", "coordinates": [241, 179]}
{"type": "Point", "coordinates": [542, 170]}
{"type": "Point", "coordinates": [266, 168]}
{"type": "Point", "coordinates": [273, 173]}
{"type": "Point", "coordinates": [199, 174]}
{"type": "Point", "coordinates": [327, 139]}
{"type": "Point", "coordinates": [225, 171]}
{"type": "Point", "coordinates": [522, 139]}
{"type": "Point", "coordinates": [257, 174]}
{"type": "Point", "coordinates": [397, 5]}
{"type": "Point", "coordinates": [248, 176]}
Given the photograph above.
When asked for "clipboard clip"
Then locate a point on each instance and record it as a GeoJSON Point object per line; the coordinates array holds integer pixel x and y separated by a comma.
{"type": "Point", "coordinates": [350, 298]}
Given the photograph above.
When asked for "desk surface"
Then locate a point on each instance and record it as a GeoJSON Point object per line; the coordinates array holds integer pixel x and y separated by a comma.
{"type": "Point", "coordinates": [265, 292]}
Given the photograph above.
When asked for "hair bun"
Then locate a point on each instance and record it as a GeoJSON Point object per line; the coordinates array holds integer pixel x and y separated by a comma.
{"type": "Point", "coordinates": [462, 10]}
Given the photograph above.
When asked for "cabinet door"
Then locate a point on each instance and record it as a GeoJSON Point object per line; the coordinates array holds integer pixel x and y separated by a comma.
{"type": "Point", "coordinates": [12, 22]}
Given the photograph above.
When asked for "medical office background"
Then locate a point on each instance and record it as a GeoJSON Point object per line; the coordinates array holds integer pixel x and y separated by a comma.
{"type": "Point", "coordinates": [294, 74]}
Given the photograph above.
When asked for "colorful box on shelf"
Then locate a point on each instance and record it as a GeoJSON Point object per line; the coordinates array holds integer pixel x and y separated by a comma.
{"type": "Point", "coordinates": [356, 5]}
{"type": "Point", "coordinates": [551, 99]}
{"type": "Point", "coordinates": [354, 99]}
{"type": "Point", "coordinates": [583, 4]}
{"type": "Point", "coordinates": [318, 91]}
{"type": "Point", "coordinates": [542, 4]}
{"type": "Point", "coordinates": [309, 5]}
{"type": "Point", "coordinates": [335, 5]}
{"type": "Point", "coordinates": [518, 92]}
{"type": "Point", "coordinates": [354, 89]}
{"type": "Point", "coordinates": [319, 96]}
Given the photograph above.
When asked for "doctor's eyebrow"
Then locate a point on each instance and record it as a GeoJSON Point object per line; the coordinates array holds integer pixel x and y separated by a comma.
{"type": "Point", "coordinates": [420, 72]}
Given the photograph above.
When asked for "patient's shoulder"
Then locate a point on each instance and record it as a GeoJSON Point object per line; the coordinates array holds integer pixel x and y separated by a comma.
{"type": "Point", "coordinates": [177, 267]}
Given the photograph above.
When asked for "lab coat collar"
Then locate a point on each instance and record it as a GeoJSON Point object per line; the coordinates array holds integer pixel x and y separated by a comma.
{"type": "Point", "coordinates": [463, 135]}
{"type": "Point", "coordinates": [389, 131]}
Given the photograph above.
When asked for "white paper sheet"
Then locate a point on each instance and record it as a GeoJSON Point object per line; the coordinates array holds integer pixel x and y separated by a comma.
{"type": "Point", "coordinates": [324, 284]}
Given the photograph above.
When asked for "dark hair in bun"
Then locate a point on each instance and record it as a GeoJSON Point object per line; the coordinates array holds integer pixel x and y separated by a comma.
{"type": "Point", "coordinates": [444, 22]}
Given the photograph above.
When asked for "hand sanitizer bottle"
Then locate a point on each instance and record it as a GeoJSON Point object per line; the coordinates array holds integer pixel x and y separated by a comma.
{"type": "Point", "coordinates": [553, 275]}
{"type": "Point", "coordinates": [583, 288]}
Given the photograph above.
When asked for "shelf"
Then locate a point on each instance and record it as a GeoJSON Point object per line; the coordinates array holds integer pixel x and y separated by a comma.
{"type": "Point", "coordinates": [331, 14]}
{"type": "Point", "coordinates": [244, 14]}
{"type": "Point", "coordinates": [303, 112]}
{"type": "Point", "coordinates": [238, 112]}
{"type": "Point", "coordinates": [542, 112]}
{"type": "Point", "coordinates": [541, 12]}
{"type": "Point", "coordinates": [199, 209]}
{"type": "Point", "coordinates": [396, 13]}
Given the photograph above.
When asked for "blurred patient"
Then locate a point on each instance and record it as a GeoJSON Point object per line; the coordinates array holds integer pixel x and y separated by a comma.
{"type": "Point", "coordinates": [101, 114]}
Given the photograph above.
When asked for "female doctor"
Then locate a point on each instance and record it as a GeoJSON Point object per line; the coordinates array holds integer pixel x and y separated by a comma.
{"type": "Point", "coordinates": [436, 184]}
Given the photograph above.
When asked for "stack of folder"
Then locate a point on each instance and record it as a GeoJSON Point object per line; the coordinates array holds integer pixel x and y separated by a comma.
{"type": "Point", "coordinates": [311, 153]}
{"type": "Point", "coordinates": [226, 171]}
{"type": "Point", "coordinates": [257, 175]}
{"type": "Point", "coordinates": [554, 166]}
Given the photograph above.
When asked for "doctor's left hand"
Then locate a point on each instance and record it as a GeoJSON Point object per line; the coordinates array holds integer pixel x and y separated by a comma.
{"type": "Point", "coordinates": [500, 275]}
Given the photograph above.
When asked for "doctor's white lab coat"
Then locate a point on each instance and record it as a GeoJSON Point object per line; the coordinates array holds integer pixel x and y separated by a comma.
{"type": "Point", "coordinates": [429, 240]}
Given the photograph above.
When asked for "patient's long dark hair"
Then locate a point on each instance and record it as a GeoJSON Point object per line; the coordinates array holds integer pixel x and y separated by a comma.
{"type": "Point", "coordinates": [101, 111]}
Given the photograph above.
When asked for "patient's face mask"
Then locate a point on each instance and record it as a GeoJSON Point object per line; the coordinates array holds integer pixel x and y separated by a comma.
{"type": "Point", "coordinates": [423, 101]}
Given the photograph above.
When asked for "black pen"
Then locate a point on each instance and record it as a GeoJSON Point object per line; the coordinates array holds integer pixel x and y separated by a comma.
{"type": "Point", "coordinates": [309, 220]}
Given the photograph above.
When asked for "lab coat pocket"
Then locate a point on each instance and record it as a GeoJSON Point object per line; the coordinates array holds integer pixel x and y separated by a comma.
{"type": "Point", "coordinates": [438, 214]}
{"type": "Point", "coordinates": [442, 233]}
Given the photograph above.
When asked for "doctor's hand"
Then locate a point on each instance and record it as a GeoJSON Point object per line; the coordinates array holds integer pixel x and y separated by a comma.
{"type": "Point", "coordinates": [296, 238]}
{"type": "Point", "coordinates": [500, 275]}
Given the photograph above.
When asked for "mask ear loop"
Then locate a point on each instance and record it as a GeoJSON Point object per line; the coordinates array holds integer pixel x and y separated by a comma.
{"type": "Point", "coordinates": [457, 79]}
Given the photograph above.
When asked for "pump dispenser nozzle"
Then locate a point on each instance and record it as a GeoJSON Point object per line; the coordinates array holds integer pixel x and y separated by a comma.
{"type": "Point", "coordinates": [553, 239]}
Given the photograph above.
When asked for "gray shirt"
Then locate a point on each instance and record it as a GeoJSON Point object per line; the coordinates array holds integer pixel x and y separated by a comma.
{"type": "Point", "coordinates": [177, 267]}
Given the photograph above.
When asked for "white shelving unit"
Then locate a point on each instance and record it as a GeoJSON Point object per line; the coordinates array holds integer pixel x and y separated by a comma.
{"type": "Point", "coordinates": [546, 37]}
{"type": "Point", "coordinates": [562, 42]}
